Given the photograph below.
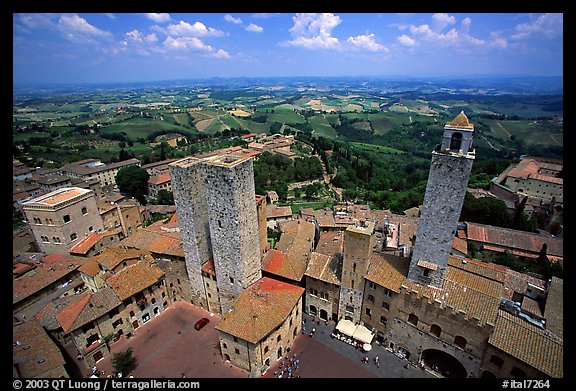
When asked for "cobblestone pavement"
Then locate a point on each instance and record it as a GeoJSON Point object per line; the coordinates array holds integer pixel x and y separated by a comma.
{"type": "Point", "coordinates": [168, 346]}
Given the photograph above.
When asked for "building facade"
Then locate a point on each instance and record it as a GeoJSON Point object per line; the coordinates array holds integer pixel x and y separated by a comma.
{"type": "Point", "coordinates": [61, 218]}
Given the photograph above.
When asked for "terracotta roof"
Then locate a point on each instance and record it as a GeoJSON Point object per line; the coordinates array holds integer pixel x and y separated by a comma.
{"type": "Point", "coordinates": [324, 218]}
{"type": "Point", "coordinates": [88, 307]}
{"type": "Point", "coordinates": [260, 308]}
{"type": "Point", "coordinates": [388, 271]}
{"type": "Point", "coordinates": [43, 276]}
{"type": "Point", "coordinates": [518, 282]}
{"type": "Point", "coordinates": [111, 257]}
{"type": "Point", "coordinates": [331, 243]}
{"type": "Point", "coordinates": [84, 245]}
{"type": "Point", "coordinates": [460, 245]}
{"type": "Point", "coordinates": [90, 267]}
{"type": "Point", "coordinates": [466, 288]}
{"type": "Point", "coordinates": [160, 178]}
{"type": "Point", "coordinates": [296, 242]}
{"type": "Point", "coordinates": [58, 196]}
{"type": "Point", "coordinates": [538, 348]}
{"type": "Point", "coordinates": [134, 278]}
{"type": "Point", "coordinates": [208, 267]}
{"type": "Point", "coordinates": [273, 211]}
{"type": "Point", "coordinates": [461, 121]}
{"type": "Point", "coordinates": [514, 239]}
{"type": "Point", "coordinates": [488, 270]}
{"type": "Point", "coordinates": [155, 239]}
{"type": "Point", "coordinates": [34, 353]}
{"type": "Point", "coordinates": [554, 308]}
{"type": "Point", "coordinates": [529, 168]}
{"type": "Point", "coordinates": [428, 265]}
{"type": "Point", "coordinates": [327, 268]}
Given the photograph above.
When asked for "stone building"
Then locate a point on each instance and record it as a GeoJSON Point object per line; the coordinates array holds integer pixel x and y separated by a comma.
{"type": "Point", "coordinates": [445, 190]}
{"type": "Point", "coordinates": [59, 219]}
{"type": "Point", "coordinates": [359, 241]}
{"type": "Point", "coordinates": [233, 221]}
{"type": "Point", "coordinates": [218, 218]}
{"type": "Point", "coordinates": [261, 328]}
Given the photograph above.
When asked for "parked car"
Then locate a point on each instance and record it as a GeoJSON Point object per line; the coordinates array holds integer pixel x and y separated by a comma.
{"type": "Point", "coordinates": [201, 323]}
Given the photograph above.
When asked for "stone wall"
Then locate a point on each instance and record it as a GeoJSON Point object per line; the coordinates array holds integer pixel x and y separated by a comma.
{"type": "Point", "coordinates": [192, 211]}
{"type": "Point", "coordinates": [233, 221]}
{"type": "Point", "coordinates": [445, 191]}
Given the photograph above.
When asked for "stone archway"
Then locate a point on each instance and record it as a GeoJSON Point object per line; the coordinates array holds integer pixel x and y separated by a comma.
{"type": "Point", "coordinates": [323, 315]}
{"type": "Point", "coordinates": [443, 363]}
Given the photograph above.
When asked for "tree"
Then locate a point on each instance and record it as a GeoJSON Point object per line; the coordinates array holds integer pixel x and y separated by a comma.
{"type": "Point", "coordinates": [165, 197]}
{"type": "Point", "coordinates": [123, 361]}
{"type": "Point", "coordinates": [133, 181]}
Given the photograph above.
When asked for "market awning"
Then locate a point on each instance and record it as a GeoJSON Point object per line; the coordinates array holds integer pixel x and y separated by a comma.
{"type": "Point", "coordinates": [346, 326]}
{"type": "Point", "coordinates": [357, 332]}
{"type": "Point", "coordinates": [362, 334]}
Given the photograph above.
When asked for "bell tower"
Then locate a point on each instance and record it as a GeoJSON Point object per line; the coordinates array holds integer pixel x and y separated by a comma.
{"type": "Point", "coordinates": [450, 169]}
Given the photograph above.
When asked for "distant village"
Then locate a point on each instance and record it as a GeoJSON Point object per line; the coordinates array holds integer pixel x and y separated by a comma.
{"type": "Point", "coordinates": [87, 271]}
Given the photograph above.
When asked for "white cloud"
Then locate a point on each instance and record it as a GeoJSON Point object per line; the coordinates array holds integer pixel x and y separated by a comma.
{"type": "Point", "coordinates": [456, 38]}
{"type": "Point", "coordinates": [220, 53]}
{"type": "Point", "coordinates": [405, 40]}
{"type": "Point", "coordinates": [198, 29]}
{"type": "Point", "coordinates": [366, 42]}
{"type": "Point", "coordinates": [441, 21]}
{"type": "Point", "coordinates": [187, 43]}
{"type": "Point", "coordinates": [548, 25]}
{"type": "Point", "coordinates": [194, 44]}
{"type": "Point", "coordinates": [314, 31]}
{"type": "Point", "coordinates": [77, 29]}
{"type": "Point", "coordinates": [254, 28]}
{"type": "Point", "coordinates": [231, 19]}
{"type": "Point", "coordinates": [158, 18]}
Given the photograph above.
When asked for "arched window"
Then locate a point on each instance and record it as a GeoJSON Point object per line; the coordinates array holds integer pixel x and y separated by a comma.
{"type": "Point", "coordinates": [383, 320]}
{"type": "Point", "coordinates": [460, 341]}
{"type": "Point", "coordinates": [435, 330]}
{"type": "Point", "coordinates": [455, 141]}
{"type": "Point", "coordinates": [413, 319]}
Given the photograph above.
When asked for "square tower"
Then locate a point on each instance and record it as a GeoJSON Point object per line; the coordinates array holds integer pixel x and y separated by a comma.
{"type": "Point", "coordinates": [447, 181]}
{"type": "Point", "coordinates": [359, 241]}
{"type": "Point", "coordinates": [192, 210]}
{"type": "Point", "coordinates": [233, 219]}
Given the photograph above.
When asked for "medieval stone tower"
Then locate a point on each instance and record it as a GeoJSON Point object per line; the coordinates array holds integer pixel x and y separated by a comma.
{"type": "Point", "coordinates": [447, 180]}
{"type": "Point", "coordinates": [215, 203]}
{"type": "Point", "coordinates": [359, 241]}
{"type": "Point", "coordinates": [229, 181]}
{"type": "Point", "coordinates": [193, 220]}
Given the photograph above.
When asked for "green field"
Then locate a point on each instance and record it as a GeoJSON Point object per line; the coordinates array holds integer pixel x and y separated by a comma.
{"type": "Point", "coordinates": [377, 148]}
{"type": "Point", "coordinates": [530, 132]}
{"type": "Point", "coordinates": [140, 127]}
{"type": "Point", "coordinates": [322, 127]}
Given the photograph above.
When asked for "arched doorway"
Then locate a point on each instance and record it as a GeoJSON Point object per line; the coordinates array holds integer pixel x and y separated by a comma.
{"type": "Point", "coordinates": [443, 363]}
{"type": "Point", "coordinates": [323, 315]}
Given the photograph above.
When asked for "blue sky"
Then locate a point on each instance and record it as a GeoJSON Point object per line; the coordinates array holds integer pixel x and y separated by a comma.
{"type": "Point", "coordinates": [129, 47]}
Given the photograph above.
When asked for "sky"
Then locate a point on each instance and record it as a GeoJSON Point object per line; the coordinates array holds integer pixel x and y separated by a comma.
{"type": "Point", "coordinates": [137, 47]}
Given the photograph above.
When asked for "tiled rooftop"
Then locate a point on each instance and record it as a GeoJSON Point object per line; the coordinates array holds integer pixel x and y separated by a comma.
{"type": "Point", "coordinates": [538, 348]}
{"type": "Point", "coordinates": [34, 353]}
{"type": "Point", "coordinates": [134, 278]}
{"type": "Point", "coordinates": [327, 268]}
{"type": "Point", "coordinates": [86, 308]}
{"type": "Point", "coordinates": [260, 308]}
{"type": "Point", "coordinates": [519, 240]}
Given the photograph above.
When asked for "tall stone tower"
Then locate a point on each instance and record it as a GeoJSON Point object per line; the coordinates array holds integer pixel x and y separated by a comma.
{"type": "Point", "coordinates": [230, 196]}
{"type": "Point", "coordinates": [192, 210]}
{"type": "Point", "coordinates": [447, 180]}
{"type": "Point", "coordinates": [359, 241]}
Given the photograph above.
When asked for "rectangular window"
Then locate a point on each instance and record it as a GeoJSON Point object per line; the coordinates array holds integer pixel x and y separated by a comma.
{"type": "Point", "coordinates": [66, 219]}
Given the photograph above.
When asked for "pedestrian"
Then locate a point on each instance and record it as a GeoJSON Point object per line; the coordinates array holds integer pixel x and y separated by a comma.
{"type": "Point", "coordinates": [182, 375]}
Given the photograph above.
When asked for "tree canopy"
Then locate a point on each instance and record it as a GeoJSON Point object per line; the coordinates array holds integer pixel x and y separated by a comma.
{"type": "Point", "coordinates": [133, 181]}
